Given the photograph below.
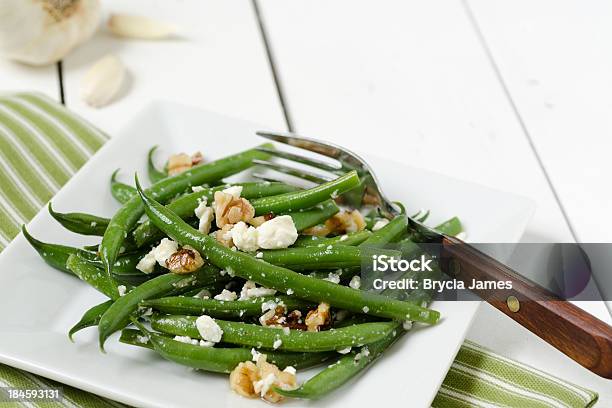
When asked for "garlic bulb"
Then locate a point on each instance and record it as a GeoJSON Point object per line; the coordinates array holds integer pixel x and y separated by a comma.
{"type": "Point", "coordinates": [103, 81]}
{"type": "Point", "coordinates": [41, 32]}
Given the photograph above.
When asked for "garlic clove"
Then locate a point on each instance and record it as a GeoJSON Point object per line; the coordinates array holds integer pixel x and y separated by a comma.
{"type": "Point", "coordinates": [132, 26]}
{"type": "Point", "coordinates": [103, 81]}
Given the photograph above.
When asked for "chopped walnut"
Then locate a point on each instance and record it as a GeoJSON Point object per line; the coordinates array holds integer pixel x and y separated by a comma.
{"type": "Point", "coordinates": [318, 318]}
{"type": "Point", "coordinates": [230, 209]}
{"type": "Point", "coordinates": [224, 237]}
{"type": "Point", "coordinates": [257, 221]}
{"type": "Point", "coordinates": [178, 163]}
{"type": "Point", "coordinates": [278, 317]}
{"type": "Point", "coordinates": [341, 223]}
{"type": "Point", "coordinates": [185, 260]}
{"type": "Point", "coordinates": [252, 380]}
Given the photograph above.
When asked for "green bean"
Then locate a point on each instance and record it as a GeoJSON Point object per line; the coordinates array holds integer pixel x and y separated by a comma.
{"type": "Point", "coordinates": [314, 216]}
{"type": "Point", "coordinates": [124, 219]}
{"type": "Point", "coordinates": [118, 315]}
{"type": "Point", "coordinates": [386, 234]}
{"type": "Point", "coordinates": [53, 254]}
{"type": "Point", "coordinates": [307, 198]}
{"type": "Point", "coordinates": [450, 227]}
{"type": "Point", "coordinates": [154, 174]}
{"type": "Point", "coordinates": [351, 239]}
{"type": "Point", "coordinates": [92, 275]}
{"type": "Point", "coordinates": [81, 223]}
{"type": "Point", "coordinates": [309, 258]}
{"type": "Point", "coordinates": [185, 205]}
{"type": "Point", "coordinates": [134, 337]}
{"type": "Point", "coordinates": [272, 276]}
{"type": "Point", "coordinates": [121, 191]}
{"type": "Point", "coordinates": [224, 360]}
{"type": "Point", "coordinates": [253, 335]}
{"type": "Point", "coordinates": [219, 308]}
{"type": "Point", "coordinates": [337, 374]}
{"type": "Point", "coordinates": [90, 318]}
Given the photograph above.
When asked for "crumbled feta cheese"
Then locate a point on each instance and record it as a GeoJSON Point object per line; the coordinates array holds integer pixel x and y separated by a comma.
{"type": "Point", "coordinates": [244, 237]}
{"type": "Point", "coordinates": [205, 215]}
{"type": "Point", "coordinates": [344, 237]}
{"type": "Point", "coordinates": [259, 255]}
{"type": "Point", "coordinates": [147, 262]}
{"type": "Point", "coordinates": [164, 250]}
{"type": "Point", "coordinates": [194, 342]}
{"type": "Point", "coordinates": [279, 232]}
{"type": "Point", "coordinates": [290, 291]}
{"type": "Point", "coordinates": [121, 289]}
{"type": "Point", "coordinates": [209, 329]}
{"type": "Point", "coordinates": [197, 189]}
{"type": "Point", "coordinates": [363, 353]}
{"type": "Point", "coordinates": [277, 343]}
{"type": "Point", "coordinates": [203, 294]}
{"type": "Point", "coordinates": [333, 277]}
{"type": "Point", "coordinates": [365, 309]}
{"type": "Point", "coordinates": [269, 305]}
{"type": "Point", "coordinates": [355, 282]}
{"type": "Point", "coordinates": [255, 355]}
{"type": "Point", "coordinates": [234, 191]}
{"type": "Point", "coordinates": [345, 350]}
{"type": "Point", "coordinates": [142, 339]}
{"type": "Point", "coordinates": [250, 290]}
{"type": "Point", "coordinates": [290, 370]}
{"type": "Point", "coordinates": [226, 295]}
{"type": "Point", "coordinates": [329, 247]}
{"type": "Point", "coordinates": [93, 224]}
{"type": "Point", "coordinates": [262, 386]}
{"type": "Point", "coordinates": [379, 224]}
{"type": "Point", "coordinates": [407, 325]}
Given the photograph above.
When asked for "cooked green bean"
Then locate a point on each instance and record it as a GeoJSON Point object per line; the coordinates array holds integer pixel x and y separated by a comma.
{"type": "Point", "coordinates": [92, 275]}
{"type": "Point", "coordinates": [386, 234]}
{"type": "Point", "coordinates": [337, 374]}
{"type": "Point", "coordinates": [272, 276]}
{"type": "Point", "coordinates": [450, 227]}
{"type": "Point", "coordinates": [313, 216]}
{"type": "Point", "coordinates": [53, 254]}
{"type": "Point", "coordinates": [307, 198]}
{"type": "Point", "coordinates": [118, 315]}
{"type": "Point", "coordinates": [154, 174]}
{"type": "Point", "coordinates": [253, 335]}
{"type": "Point", "coordinates": [224, 360]}
{"type": "Point", "coordinates": [124, 219]}
{"type": "Point", "coordinates": [90, 318]}
{"type": "Point", "coordinates": [81, 223]}
{"type": "Point", "coordinates": [121, 191]}
{"type": "Point", "coordinates": [135, 337]}
{"type": "Point", "coordinates": [350, 239]}
{"type": "Point", "coordinates": [221, 309]}
{"type": "Point", "coordinates": [185, 205]}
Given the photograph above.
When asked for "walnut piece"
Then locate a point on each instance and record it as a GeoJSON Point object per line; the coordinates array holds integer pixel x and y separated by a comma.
{"type": "Point", "coordinates": [178, 163]}
{"type": "Point", "coordinates": [230, 209]}
{"type": "Point", "coordinates": [341, 223]}
{"type": "Point", "coordinates": [185, 260]}
{"type": "Point", "coordinates": [224, 237]}
{"type": "Point", "coordinates": [257, 221]}
{"type": "Point", "coordinates": [252, 380]}
{"type": "Point", "coordinates": [318, 318]}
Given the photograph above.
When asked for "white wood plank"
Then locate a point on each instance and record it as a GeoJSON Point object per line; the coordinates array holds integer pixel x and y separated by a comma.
{"type": "Point", "coordinates": [218, 63]}
{"type": "Point", "coordinates": [556, 60]}
{"type": "Point", "coordinates": [412, 79]}
{"type": "Point", "coordinates": [16, 77]}
{"type": "Point", "coordinates": [407, 79]}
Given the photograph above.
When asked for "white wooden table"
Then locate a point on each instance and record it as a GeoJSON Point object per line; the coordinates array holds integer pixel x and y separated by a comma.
{"type": "Point", "coordinates": [513, 94]}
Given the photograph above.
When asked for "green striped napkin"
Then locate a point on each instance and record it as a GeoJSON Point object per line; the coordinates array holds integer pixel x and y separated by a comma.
{"type": "Point", "coordinates": [42, 144]}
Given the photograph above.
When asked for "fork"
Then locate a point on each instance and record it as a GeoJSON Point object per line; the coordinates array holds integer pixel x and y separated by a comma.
{"type": "Point", "coordinates": [576, 333]}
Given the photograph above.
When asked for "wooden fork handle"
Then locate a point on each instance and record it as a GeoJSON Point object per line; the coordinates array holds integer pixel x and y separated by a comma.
{"type": "Point", "coordinates": [576, 333]}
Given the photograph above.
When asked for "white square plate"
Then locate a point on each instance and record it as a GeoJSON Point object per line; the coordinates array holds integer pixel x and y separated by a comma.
{"type": "Point", "coordinates": [38, 304]}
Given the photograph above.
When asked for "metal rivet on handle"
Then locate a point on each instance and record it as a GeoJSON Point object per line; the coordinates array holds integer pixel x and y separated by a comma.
{"type": "Point", "coordinates": [513, 304]}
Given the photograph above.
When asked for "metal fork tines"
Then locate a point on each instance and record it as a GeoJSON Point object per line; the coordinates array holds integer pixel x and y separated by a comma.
{"type": "Point", "coordinates": [345, 159]}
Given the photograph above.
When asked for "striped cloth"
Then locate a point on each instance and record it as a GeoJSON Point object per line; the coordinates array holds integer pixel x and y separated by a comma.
{"type": "Point", "coordinates": [42, 144]}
